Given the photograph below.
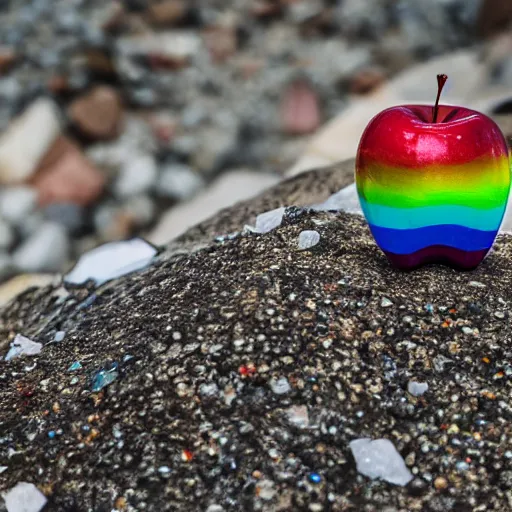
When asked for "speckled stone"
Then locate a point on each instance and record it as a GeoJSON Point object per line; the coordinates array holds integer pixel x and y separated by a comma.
{"type": "Point", "coordinates": [250, 310]}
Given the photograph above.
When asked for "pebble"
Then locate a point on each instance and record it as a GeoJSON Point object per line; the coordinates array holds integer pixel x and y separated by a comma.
{"type": "Point", "coordinates": [59, 336]}
{"type": "Point", "coordinates": [164, 471]}
{"type": "Point", "coordinates": [440, 363]}
{"type": "Point", "coordinates": [16, 203]}
{"type": "Point", "coordinates": [27, 140]}
{"type": "Point", "coordinates": [417, 388]}
{"type": "Point", "coordinates": [266, 222]}
{"type": "Point", "coordinates": [280, 386]}
{"type": "Point", "coordinates": [66, 176]}
{"type": "Point", "coordinates": [22, 346]}
{"type": "Point", "coordinates": [102, 379]}
{"type": "Point", "coordinates": [46, 250]}
{"type": "Point", "coordinates": [298, 416]}
{"type": "Point", "coordinates": [213, 146]}
{"type": "Point", "coordinates": [137, 176]}
{"type": "Point", "coordinates": [99, 113]}
{"type": "Point", "coordinates": [69, 215]}
{"type": "Point", "coordinates": [215, 508]}
{"type": "Point", "coordinates": [265, 490]}
{"type": "Point", "coordinates": [209, 390]}
{"type": "Point", "coordinates": [308, 239]}
{"type": "Point", "coordinates": [385, 303]}
{"type": "Point", "coordinates": [6, 235]}
{"type": "Point", "coordinates": [24, 497]}
{"type": "Point", "coordinates": [380, 459]}
{"type": "Point", "coordinates": [112, 260]}
{"type": "Point", "coordinates": [179, 182]}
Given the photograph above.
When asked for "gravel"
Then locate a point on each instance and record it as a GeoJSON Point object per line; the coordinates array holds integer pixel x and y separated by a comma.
{"type": "Point", "coordinates": [208, 361]}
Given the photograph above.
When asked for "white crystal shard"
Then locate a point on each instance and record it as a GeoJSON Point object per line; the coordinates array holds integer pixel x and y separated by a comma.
{"type": "Point", "coordinates": [380, 459]}
{"type": "Point", "coordinates": [24, 497]}
{"type": "Point", "coordinates": [22, 346]}
{"type": "Point", "coordinates": [112, 260]}
{"type": "Point", "coordinates": [417, 388]}
{"type": "Point", "coordinates": [268, 221]}
{"type": "Point", "coordinates": [308, 239]}
{"type": "Point", "coordinates": [345, 199]}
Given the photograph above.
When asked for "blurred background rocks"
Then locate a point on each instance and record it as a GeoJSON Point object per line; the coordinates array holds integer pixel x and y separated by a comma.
{"type": "Point", "coordinates": [116, 114]}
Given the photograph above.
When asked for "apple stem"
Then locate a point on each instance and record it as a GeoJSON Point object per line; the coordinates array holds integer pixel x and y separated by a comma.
{"type": "Point", "coordinates": [441, 80]}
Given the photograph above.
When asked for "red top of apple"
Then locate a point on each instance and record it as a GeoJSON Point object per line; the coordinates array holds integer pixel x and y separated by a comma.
{"type": "Point", "coordinates": [405, 136]}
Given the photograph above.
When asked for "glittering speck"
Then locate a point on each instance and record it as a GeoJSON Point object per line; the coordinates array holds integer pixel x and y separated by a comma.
{"type": "Point", "coordinates": [59, 336]}
{"type": "Point", "coordinates": [164, 471]}
{"type": "Point", "coordinates": [75, 366]}
{"type": "Point", "coordinates": [314, 478]}
{"type": "Point", "coordinates": [187, 455]}
{"type": "Point", "coordinates": [103, 379]}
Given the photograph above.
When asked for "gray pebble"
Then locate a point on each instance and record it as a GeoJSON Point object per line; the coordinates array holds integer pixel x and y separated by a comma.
{"type": "Point", "coordinates": [308, 239]}
{"type": "Point", "coordinates": [69, 215]}
{"type": "Point", "coordinates": [47, 250]}
{"type": "Point", "coordinates": [179, 182]}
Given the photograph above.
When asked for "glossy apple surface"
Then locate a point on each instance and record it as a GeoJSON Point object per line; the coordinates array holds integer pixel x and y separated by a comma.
{"type": "Point", "coordinates": [433, 192]}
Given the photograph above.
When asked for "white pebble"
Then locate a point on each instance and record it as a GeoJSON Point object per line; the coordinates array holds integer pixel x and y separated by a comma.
{"type": "Point", "coordinates": [268, 221]}
{"type": "Point", "coordinates": [380, 459]}
{"type": "Point", "coordinates": [346, 199]}
{"type": "Point", "coordinates": [417, 388]}
{"type": "Point", "coordinates": [47, 250]}
{"type": "Point", "coordinates": [138, 175]}
{"type": "Point", "coordinates": [112, 260]}
{"type": "Point", "coordinates": [59, 336]}
{"type": "Point", "coordinates": [308, 239]}
{"type": "Point", "coordinates": [16, 203]}
{"type": "Point", "coordinates": [22, 346]}
{"type": "Point", "coordinates": [24, 497]}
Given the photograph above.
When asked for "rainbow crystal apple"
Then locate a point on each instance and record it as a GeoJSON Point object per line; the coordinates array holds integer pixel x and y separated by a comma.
{"type": "Point", "coordinates": [433, 183]}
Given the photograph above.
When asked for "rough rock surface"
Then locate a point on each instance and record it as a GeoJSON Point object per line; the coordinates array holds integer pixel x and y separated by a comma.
{"type": "Point", "coordinates": [240, 372]}
{"type": "Point", "coordinates": [305, 190]}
